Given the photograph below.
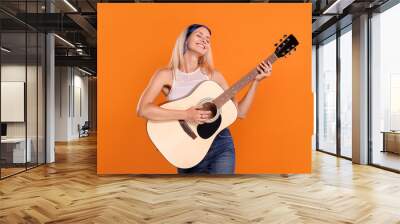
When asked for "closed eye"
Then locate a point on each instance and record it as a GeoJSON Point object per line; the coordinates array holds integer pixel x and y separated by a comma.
{"type": "Point", "coordinates": [207, 38]}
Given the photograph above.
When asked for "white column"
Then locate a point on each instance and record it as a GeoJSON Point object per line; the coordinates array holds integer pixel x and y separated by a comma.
{"type": "Point", "coordinates": [360, 90]}
{"type": "Point", "coordinates": [50, 100]}
{"type": "Point", "coordinates": [50, 92]}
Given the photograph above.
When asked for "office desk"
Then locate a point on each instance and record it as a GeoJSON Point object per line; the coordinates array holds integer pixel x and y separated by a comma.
{"type": "Point", "coordinates": [391, 141]}
{"type": "Point", "coordinates": [13, 150]}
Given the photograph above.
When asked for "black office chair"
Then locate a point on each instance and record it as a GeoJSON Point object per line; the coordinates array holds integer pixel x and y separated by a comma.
{"type": "Point", "coordinates": [84, 130]}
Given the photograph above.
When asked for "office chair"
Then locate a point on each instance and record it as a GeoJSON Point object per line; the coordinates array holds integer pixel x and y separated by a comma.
{"type": "Point", "coordinates": [84, 130]}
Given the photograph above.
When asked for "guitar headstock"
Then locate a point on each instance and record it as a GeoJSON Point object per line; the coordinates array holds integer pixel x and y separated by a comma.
{"type": "Point", "coordinates": [286, 45]}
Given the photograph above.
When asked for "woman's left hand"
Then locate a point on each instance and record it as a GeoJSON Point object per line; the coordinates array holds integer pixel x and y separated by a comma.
{"type": "Point", "coordinates": [264, 70]}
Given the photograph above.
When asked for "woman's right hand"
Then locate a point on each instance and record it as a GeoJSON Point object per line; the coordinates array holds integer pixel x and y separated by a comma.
{"type": "Point", "coordinates": [196, 115]}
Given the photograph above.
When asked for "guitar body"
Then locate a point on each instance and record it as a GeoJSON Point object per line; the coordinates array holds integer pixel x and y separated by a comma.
{"type": "Point", "coordinates": [186, 148]}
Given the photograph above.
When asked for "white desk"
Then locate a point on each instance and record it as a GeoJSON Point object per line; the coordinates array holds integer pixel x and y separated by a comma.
{"type": "Point", "coordinates": [18, 150]}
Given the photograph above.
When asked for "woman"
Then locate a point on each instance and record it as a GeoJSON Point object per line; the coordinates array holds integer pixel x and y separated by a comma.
{"type": "Point", "coordinates": [191, 63]}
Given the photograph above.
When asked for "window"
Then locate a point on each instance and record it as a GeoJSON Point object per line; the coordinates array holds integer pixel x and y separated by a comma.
{"type": "Point", "coordinates": [385, 88]}
{"type": "Point", "coordinates": [346, 92]}
{"type": "Point", "coordinates": [327, 95]}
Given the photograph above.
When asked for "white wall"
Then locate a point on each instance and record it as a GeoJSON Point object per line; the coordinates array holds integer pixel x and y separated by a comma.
{"type": "Point", "coordinates": [14, 73]}
{"type": "Point", "coordinates": [70, 83]}
{"type": "Point", "coordinates": [80, 83]}
{"type": "Point", "coordinates": [62, 77]}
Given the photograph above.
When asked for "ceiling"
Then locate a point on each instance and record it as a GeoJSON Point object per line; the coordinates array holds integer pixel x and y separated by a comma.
{"type": "Point", "coordinates": [76, 22]}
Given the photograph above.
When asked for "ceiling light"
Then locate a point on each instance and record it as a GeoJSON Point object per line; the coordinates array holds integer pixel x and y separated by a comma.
{"type": "Point", "coordinates": [70, 5]}
{"type": "Point", "coordinates": [84, 71]}
{"type": "Point", "coordinates": [338, 6]}
{"type": "Point", "coordinates": [65, 41]}
{"type": "Point", "coordinates": [5, 50]}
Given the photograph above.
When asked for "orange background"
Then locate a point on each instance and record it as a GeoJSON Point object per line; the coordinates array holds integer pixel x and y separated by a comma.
{"type": "Point", "coordinates": [134, 40]}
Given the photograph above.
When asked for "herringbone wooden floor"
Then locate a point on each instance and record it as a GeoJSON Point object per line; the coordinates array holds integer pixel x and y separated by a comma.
{"type": "Point", "coordinates": [69, 191]}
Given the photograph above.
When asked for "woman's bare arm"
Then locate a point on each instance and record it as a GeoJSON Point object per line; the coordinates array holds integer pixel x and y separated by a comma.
{"type": "Point", "coordinates": [147, 109]}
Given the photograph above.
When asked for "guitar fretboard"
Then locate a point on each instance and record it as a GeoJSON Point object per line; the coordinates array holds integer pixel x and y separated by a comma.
{"type": "Point", "coordinates": [235, 88]}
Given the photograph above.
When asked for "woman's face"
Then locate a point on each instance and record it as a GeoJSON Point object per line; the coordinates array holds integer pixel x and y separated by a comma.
{"type": "Point", "coordinates": [199, 41]}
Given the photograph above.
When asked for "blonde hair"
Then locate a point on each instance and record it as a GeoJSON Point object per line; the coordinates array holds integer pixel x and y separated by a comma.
{"type": "Point", "coordinates": [177, 59]}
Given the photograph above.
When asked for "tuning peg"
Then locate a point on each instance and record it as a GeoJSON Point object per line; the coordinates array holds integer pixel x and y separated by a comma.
{"type": "Point", "coordinates": [276, 44]}
{"type": "Point", "coordinates": [284, 36]}
{"type": "Point", "coordinates": [280, 40]}
{"type": "Point", "coordinates": [294, 49]}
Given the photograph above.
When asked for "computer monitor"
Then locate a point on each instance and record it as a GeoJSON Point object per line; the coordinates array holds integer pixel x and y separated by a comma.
{"type": "Point", "coordinates": [3, 129]}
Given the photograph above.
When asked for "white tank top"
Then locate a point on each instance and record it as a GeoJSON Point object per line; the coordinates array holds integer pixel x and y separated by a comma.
{"type": "Point", "coordinates": [183, 83]}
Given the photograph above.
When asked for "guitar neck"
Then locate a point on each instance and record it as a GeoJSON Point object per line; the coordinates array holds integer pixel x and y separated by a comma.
{"type": "Point", "coordinates": [235, 88]}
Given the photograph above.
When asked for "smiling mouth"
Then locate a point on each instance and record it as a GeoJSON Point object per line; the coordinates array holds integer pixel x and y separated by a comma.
{"type": "Point", "coordinates": [201, 45]}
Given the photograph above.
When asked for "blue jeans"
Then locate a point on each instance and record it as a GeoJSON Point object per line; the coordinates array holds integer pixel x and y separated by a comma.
{"type": "Point", "coordinates": [220, 158]}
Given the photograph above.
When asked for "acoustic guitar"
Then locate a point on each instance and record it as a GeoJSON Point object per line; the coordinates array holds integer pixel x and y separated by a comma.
{"type": "Point", "coordinates": [185, 144]}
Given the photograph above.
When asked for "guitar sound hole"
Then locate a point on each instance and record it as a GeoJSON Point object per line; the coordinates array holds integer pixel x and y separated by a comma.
{"type": "Point", "coordinates": [211, 107]}
{"type": "Point", "coordinates": [206, 130]}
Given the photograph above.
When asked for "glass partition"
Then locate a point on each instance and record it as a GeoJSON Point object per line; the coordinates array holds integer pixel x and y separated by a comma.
{"type": "Point", "coordinates": [14, 153]}
{"type": "Point", "coordinates": [22, 77]}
